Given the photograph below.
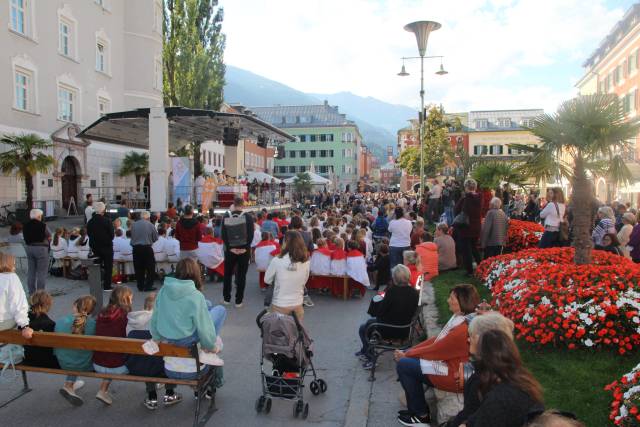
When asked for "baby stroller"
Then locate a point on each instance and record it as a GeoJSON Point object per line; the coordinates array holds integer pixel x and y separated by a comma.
{"type": "Point", "coordinates": [286, 344]}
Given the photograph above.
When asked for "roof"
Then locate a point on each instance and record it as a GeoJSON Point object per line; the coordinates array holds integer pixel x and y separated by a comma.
{"type": "Point", "coordinates": [621, 29]}
{"type": "Point", "coordinates": [302, 116]}
{"type": "Point", "coordinates": [131, 128]}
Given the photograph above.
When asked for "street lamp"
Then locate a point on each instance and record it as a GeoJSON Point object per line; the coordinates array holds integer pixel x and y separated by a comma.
{"type": "Point", "coordinates": [422, 29]}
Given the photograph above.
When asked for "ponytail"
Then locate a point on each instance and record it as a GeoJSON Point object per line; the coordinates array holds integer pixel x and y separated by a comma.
{"type": "Point", "coordinates": [84, 307]}
{"type": "Point", "coordinates": [56, 237]}
{"type": "Point", "coordinates": [79, 322]}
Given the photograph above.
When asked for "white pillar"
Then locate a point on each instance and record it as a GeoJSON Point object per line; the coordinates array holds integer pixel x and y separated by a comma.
{"type": "Point", "coordinates": [158, 158]}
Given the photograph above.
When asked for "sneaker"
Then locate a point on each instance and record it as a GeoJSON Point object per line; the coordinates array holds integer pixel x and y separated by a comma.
{"type": "Point", "coordinates": [78, 385]}
{"type": "Point", "coordinates": [307, 301]}
{"type": "Point", "coordinates": [414, 420]}
{"type": "Point", "coordinates": [359, 353]}
{"type": "Point", "coordinates": [368, 365]}
{"type": "Point", "coordinates": [210, 359]}
{"type": "Point", "coordinates": [151, 404]}
{"type": "Point", "coordinates": [172, 399]}
{"type": "Point", "coordinates": [209, 394]}
{"type": "Point", "coordinates": [239, 305]}
{"type": "Point", "coordinates": [225, 302]}
{"type": "Point", "coordinates": [104, 397]}
{"type": "Point", "coordinates": [71, 396]}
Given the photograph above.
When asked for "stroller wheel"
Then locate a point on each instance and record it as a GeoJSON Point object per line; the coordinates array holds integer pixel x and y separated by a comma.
{"type": "Point", "coordinates": [323, 385]}
{"type": "Point", "coordinates": [314, 387]}
{"type": "Point", "coordinates": [305, 411]}
{"type": "Point", "coordinates": [260, 404]}
{"type": "Point", "coordinates": [298, 408]}
{"type": "Point", "coordinates": [267, 405]}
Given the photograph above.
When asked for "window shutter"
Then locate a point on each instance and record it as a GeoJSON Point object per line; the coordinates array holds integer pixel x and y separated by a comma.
{"type": "Point", "coordinates": [635, 98]}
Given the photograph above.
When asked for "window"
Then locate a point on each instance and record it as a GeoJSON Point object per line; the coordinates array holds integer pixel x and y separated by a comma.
{"type": "Point", "coordinates": [344, 169]}
{"type": "Point", "coordinates": [305, 119]}
{"type": "Point", "coordinates": [292, 169]}
{"type": "Point", "coordinates": [22, 91]}
{"type": "Point", "coordinates": [66, 34]}
{"type": "Point", "coordinates": [209, 158]}
{"type": "Point", "coordinates": [303, 153]}
{"type": "Point", "coordinates": [504, 122]}
{"type": "Point", "coordinates": [495, 150]}
{"type": "Point", "coordinates": [157, 71]}
{"type": "Point", "coordinates": [629, 102]}
{"type": "Point", "coordinates": [347, 153]}
{"type": "Point", "coordinates": [104, 106]}
{"type": "Point", "coordinates": [323, 153]}
{"type": "Point", "coordinates": [312, 153]}
{"type": "Point", "coordinates": [479, 150]}
{"type": "Point", "coordinates": [330, 137]}
{"type": "Point", "coordinates": [330, 153]}
{"type": "Point", "coordinates": [617, 75]}
{"type": "Point", "coordinates": [66, 103]}
{"type": "Point", "coordinates": [632, 63]}
{"type": "Point", "coordinates": [18, 12]}
{"type": "Point", "coordinates": [302, 138]}
{"type": "Point", "coordinates": [607, 82]}
{"type": "Point", "coordinates": [323, 137]}
{"type": "Point", "coordinates": [101, 56]}
{"type": "Point", "coordinates": [482, 124]}
{"type": "Point", "coordinates": [292, 154]}
{"type": "Point", "coordinates": [322, 169]}
{"type": "Point", "coordinates": [312, 138]}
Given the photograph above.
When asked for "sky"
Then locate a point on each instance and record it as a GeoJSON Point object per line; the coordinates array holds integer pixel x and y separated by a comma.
{"type": "Point", "coordinates": [500, 54]}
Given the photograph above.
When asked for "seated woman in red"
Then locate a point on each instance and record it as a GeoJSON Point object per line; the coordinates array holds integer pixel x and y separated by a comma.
{"type": "Point", "coordinates": [436, 361]}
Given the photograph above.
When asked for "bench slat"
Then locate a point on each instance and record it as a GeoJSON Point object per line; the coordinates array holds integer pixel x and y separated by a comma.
{"type": "Point", "coordinates": [116, 377]}
{"type": "Point", "coordinates": [90, 342]}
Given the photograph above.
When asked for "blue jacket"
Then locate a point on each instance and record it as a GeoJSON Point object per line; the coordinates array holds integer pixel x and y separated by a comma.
{"type": "Point", "coordinates": [380, 226]}
{"type": "Point", "coordinates": [144, 366]}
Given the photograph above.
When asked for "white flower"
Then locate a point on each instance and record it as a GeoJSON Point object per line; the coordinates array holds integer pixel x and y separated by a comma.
{"type": "Point", "coordinates": [588, 321]}
{"type": "Point", "coordinates": [545, 301]}
{"type": "Point", "coordinates": [636, 319]}
{"type": "Point", "coordinates": [588, 342]}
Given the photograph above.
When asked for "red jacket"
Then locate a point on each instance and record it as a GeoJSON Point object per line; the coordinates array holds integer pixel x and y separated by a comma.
{"type": "Point", "coordinates": [188, 234]}
{"type": "Point", "coordinates": [111, 322]}
{"type": "Point", "coordinates": [452, 349]}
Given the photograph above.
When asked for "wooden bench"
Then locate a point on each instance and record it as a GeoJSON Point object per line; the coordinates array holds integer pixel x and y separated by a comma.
{"type": "Point", "coordinates": [345, 282]}
{"type": "Point", "coordinates": [112, 345]}
{"type": "Point", "coordinates": [66, 265]}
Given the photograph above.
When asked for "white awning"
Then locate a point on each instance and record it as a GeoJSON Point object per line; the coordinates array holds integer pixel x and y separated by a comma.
{"type": "Point", "coordinates": [260, 177]}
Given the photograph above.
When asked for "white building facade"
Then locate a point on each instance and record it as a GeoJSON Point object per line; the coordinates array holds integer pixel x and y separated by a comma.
{"type": "Point", "coordinates": [65, 64]}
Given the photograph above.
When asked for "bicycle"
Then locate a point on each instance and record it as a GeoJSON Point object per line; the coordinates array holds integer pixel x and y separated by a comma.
{"type": "Point", "coordinates": [8, 217]}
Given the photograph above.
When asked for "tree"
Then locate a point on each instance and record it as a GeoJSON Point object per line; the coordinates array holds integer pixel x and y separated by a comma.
{"type": "Point", "coordinates": [193, 58]}
{"type": "Point", "coordinates": [489, 175]}
{"type": "Point", "coordinates": [585, 137]}
{"type": "Point", "coordinates": [437, 147]}
{"type": "Point", "coordinates": [25, 159]}
{"type": "Point", "coordinates": [302, 184]}
{"type": "Point", "coordinates": [135, 164]}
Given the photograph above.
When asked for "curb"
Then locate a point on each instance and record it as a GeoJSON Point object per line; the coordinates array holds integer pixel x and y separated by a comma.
{"type": "Point", "coordinates": [359, 400]}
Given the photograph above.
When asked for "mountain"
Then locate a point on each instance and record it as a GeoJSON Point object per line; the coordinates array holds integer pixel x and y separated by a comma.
{"type": "Point", "coordinates": [249, 89]}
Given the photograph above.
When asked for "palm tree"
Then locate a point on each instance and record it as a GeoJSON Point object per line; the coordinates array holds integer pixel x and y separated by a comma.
{"type": "Point", "coordinates": [302, 184]}
{"type": "Point", "coordinates": [584, 138]}
{"type": "Point", "coordinates": [25, 159]}
{"type": "Point", "coordinates": [491, 174]}
{"type": "Point", "coordinates": [135, 164]}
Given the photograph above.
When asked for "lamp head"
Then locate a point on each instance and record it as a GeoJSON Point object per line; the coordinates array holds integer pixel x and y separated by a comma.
{"type": "Point", "coordinates": [403, 72]}
{"type": "Point", "coordinates": [422, 29]}
{"type": "Point", "coordinates": [441, 71]}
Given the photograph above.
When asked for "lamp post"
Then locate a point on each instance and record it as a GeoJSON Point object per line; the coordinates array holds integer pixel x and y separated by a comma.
{"type": "Point", "coordinates": [422, 29]}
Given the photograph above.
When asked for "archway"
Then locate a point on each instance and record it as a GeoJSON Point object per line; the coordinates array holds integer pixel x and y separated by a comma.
{"type": "Point", "coordinates": [70, 179]}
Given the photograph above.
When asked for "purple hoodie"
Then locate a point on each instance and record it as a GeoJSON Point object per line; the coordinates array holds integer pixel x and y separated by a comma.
{"type": "Point", "coordinates": [634, 242]}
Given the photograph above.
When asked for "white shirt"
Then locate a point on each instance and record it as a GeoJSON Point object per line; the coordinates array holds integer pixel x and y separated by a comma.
{"type": "Point", "coordinates": [13, 301]}
{"type": "Point", "coordinates": [60, 250]}
{"type": "Point", "coordinates": [436, 191]}
{"type": "Point", "coordinates": [550, 215]}
{"type": "Point", "coordinates": [400, 230]}
{"type": "Point", "coordinates": [158, 249]}
{"type": "Point", "coordinates": [88, 212]}
{"type": "Point", "coordinates": [288, 280]}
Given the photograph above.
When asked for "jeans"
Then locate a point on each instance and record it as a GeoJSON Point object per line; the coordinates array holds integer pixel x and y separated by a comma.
{"type": "Point", "coordinates": [448, 211]}
{"type": "Point", "coordinates": [469, 250]}
{"type": "Point", "coordinates": [549, 239]}
{"type": "Point", "coordinates": [433, 210]}
{"type": "Point", "coordinates": [363, 337]}
{"type": "Point", "coordinates": [120, 370]}
{"type": "Point", "coordinates": [412, 380]}
{"type": "Point", "coordinates": [239, 263]}
{"type": "Point", "coordinates": [193, 254]}
{"type": "Point", "coordinates": [38, 261]}
{"type": "Point", "coordinates": [491, 251]}
{"type": "Point", "coordinates": [106, 262]}
{"type": "Point", "coordinates": [395, 255]}
{"type": "Point", "coordinates": [144, 264]}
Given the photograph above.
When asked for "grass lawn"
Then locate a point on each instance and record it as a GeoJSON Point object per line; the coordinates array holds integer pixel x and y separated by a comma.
{"type": "Point", "coordinates": [572, 380]}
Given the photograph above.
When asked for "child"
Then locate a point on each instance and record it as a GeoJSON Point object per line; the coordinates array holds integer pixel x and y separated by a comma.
{"type": "Point", "coordinates": [382, 266]}
{"type": "Point", "coordinates": [210, 253]}
{"type": "Point", "coordinates": [412, 261]}
{"type": "Point", "coordinates": [148, 366]}
{"type": "Point", "coordinates": [339, 259]}
{"type": "Point", "coordinates": [78, 323]}
{"type": "Point", "coordinates": [39, 321]}
{"type": "Point", "coordinates": [265, 251]}
{"type": "Point", "coordinates": [321, 259]}
{"type": "Point", "coordinates": [58, 247]}
{"type": "Point", "coordinates": [112, 322]}
{"type": "Point", "coordinates": [356, 265]}
{"type": "Point", "coordinates": [171, 247]}
{"type": "Point", "coordinates": [83, 244]}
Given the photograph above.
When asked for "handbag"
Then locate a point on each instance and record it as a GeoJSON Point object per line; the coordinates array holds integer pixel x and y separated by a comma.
{"type": "Point", "coordinates": [563, 228]}
{"type": "Point", "coordinates": [461, 220]}
{"type": "Point", "coordinates": [10, 356]}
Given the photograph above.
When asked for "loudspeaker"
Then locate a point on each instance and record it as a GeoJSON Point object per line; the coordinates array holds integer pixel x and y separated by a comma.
{"type": "Point", "coordinates": [279, 154]}
{"type": "Point", "coordinates": [262, 141]}
{"type": "Point", "coordinates": [230, 136]}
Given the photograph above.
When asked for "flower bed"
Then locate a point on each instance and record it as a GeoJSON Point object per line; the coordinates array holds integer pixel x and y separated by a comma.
{"type": "Point", "coordinates": [625, 409]}
{"type": "Point", "coordinates": [555, 302]}
{"type": "Point", "coordinates": [523, 235]}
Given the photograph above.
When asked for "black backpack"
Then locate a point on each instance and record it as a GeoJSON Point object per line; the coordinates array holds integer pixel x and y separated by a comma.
{"type": "Point", "coordinates": [236, 230]}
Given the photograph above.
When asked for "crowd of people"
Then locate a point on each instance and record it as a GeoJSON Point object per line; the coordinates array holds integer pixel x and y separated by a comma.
{"type": "Point", "coordinates": [388, 242]}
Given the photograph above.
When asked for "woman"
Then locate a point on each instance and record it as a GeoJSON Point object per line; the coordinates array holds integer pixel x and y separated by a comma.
{"type": "Point", "coordinates": [532, 210]}
{"type": "Point", "coordinates": [400, 229]}
{"type": "Point", "coordinates": [412, 261]}
{"type": "Point", "coordinates": [506, 389]}
{"type": "Point", "coordinates": [417, 233]}
{"type": "Point", "coordinates": [493, 236]}
{"type": "Point", "coordinates": [36, 239]}
{"type": "Point", "coordinates": [628, 221]}
{"type": "Point", "coordinates": [435, 362]}
{"type": "Point", "coordinates": [14, 308]}
{"type": "Point", "coordinates": [467, 235]}
{"type": "Point", "coordinates": [396, 307]}
{"type": "Point", "coordinates": [15, 233]}
{"type": "Point", "coordinates": [606, 225]}
{"type": "Point", "coordinates": [183, 317]}
{"type": "Point", "coordinates": [553, 215]}
{"type": "Point", "coordinates": [611, 244]}
{"type": "Point", "coordinates": [288, 273]}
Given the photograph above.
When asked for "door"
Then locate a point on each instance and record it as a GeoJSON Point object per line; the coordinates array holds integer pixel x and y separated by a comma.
{"type": "Point", "coordinates": [69, 181]}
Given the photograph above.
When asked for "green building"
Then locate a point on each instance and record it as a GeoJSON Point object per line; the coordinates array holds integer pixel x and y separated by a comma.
{"type": "Point", "coordinates": [324, 138]}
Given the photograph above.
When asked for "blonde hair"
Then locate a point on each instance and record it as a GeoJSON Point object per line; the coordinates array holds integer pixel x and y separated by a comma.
{"type": "Point", "coordinates": [84, 307]}
{"type": "Point", "coordinates": [321, 243]}
{"type": "Point", "coordinates": [410, 258]}
{"type": "Point", "coordinates": [339, 243]}
{"type": "Point", "coordinates": [41, 302]}
{"type": "Point", "coordinates": [150, 301]}
{"type": "Point", "coordinates": [7, 263]}
{"type": "Point", "coordinates": [489, 322]}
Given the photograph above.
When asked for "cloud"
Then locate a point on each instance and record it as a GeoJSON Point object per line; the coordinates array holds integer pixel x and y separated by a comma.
{"type": "Point", "coordinates": [499, 53]}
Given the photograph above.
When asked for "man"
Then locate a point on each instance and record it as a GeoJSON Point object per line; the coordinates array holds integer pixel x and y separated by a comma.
{"type": "Point", "coordinates": [88, 211]}
{"type": "Point", "coordinates": [143, 235]}
{"type": "Point", "coordinates": [101, 233]}
{"type": "Point", "coordinates": [237, 234]}
{"type": "Point", "coordinates": [188, 234]}
{"type": "Point", "coordinates": [433, 208]}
